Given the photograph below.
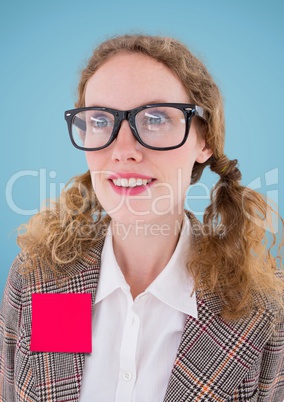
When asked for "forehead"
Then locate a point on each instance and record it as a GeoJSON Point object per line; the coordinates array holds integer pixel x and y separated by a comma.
{"type": "Point", "coordinates": [133, 79]}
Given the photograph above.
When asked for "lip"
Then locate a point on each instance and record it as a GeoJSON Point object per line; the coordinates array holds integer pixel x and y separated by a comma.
{"type": "Point", "coordinates": [130, 191]}
{"type": "Point", "coordinates": [129, 175]}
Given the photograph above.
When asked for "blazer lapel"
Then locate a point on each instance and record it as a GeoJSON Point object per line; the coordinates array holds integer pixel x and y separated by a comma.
{"type": "Point", "coordinates": [215, 355]}
{"type": "Point", "coordinates": [58, 376]}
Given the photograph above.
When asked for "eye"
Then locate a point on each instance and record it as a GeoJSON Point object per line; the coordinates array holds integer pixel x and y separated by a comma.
{"type": "Point", "coordinates": [155, 118]}
{"type": "Point", "coordinates": [101, 120]}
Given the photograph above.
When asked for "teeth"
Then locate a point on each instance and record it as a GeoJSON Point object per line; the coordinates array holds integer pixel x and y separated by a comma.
{"type": "Point", "coordinates": [124, 182]}
{"type": "Point", "coordinates": [132, 182]}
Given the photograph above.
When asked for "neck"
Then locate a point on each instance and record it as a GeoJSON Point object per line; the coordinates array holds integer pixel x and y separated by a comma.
{"type": "Point", "coordinates": [143, 249]}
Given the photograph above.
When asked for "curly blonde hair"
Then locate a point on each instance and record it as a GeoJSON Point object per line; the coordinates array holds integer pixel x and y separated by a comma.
{"type": "Point", "coordinates": [235, 263]}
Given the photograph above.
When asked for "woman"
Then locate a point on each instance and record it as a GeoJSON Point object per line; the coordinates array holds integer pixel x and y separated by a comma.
{"type": "Point", "coordinates": [180, 311]}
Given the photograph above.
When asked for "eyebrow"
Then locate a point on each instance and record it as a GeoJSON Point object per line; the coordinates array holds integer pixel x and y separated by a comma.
{"type": "Point", "coordinates": [141, 104]}
{"type": "Point", "coordinates": [156, 101]}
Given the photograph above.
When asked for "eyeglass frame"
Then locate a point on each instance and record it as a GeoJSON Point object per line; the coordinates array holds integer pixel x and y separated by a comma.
{"type": "Point", "coordinates": [189, 110]}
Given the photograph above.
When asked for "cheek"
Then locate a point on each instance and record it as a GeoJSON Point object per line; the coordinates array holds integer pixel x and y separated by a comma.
{"type": "Point", "coordinates": [182, 159]}
{"type": "Point", "coordinates": [98, 173]}
{"type": "Point", "coordinates": [90, 159]}
{"type": "Point", "coordinates": [184, 162]}
{"type": "Point", "coordinates": [94, 160]}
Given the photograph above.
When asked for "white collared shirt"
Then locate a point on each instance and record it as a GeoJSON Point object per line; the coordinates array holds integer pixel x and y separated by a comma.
{"type": "Point", "coordinates": [135, 342]}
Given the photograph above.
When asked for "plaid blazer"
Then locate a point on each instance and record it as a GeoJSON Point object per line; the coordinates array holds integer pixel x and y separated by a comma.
{"type": "Point", "coordinates": [217, 360]}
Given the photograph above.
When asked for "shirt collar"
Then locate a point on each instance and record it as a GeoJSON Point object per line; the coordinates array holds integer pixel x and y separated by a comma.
{"type": "Point", "coordinates": [173, 286]}
{"type": "Point", "coordinates": [111, 277]}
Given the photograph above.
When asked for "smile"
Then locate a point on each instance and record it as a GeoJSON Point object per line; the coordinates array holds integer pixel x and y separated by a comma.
{"type": "Point", "coordinates": [131, 182]}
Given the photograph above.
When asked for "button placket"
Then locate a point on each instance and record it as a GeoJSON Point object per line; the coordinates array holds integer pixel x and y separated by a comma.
{"type": "Point", "coordinates": [127, 376]}
{"type": "Point", "coordinates": [128, 351]}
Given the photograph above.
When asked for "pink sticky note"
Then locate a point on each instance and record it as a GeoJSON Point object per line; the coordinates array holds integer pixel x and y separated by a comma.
{"type": "Point", "coordinates": [61, 322]}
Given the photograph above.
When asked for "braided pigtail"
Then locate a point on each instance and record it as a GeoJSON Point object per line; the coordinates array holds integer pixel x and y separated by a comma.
{"type": "Point", "coordinates": [236, 260]}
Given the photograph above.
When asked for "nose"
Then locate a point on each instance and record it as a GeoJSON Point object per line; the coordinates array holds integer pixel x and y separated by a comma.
{"type": "Point", "coordinates": [125, 147]}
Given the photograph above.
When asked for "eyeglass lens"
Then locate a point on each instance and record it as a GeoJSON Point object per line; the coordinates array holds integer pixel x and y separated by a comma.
{"type": "Point", "coordinates": [160, 127]}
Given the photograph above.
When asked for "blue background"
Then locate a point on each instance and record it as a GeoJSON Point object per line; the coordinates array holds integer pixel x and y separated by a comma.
{"type": "Point", "coordinates": [45, 44]}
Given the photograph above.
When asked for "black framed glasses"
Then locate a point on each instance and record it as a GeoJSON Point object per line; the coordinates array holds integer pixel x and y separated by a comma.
{"type": "Point", "coordinates": [159, 126]}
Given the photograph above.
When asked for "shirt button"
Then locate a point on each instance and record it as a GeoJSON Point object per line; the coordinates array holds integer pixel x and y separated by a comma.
{"type": "Point", "coordinates": [127, 376]}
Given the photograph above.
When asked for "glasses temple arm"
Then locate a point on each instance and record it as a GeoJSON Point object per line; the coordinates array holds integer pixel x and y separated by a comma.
{"type": "Point", "coordinates": [81, 124]}
{"type": "Point", "coordinates": [199, 111]}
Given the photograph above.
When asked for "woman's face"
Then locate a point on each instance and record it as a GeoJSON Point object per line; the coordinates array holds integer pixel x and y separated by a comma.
{"type": "Point", "coordinates": [124, 82]}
